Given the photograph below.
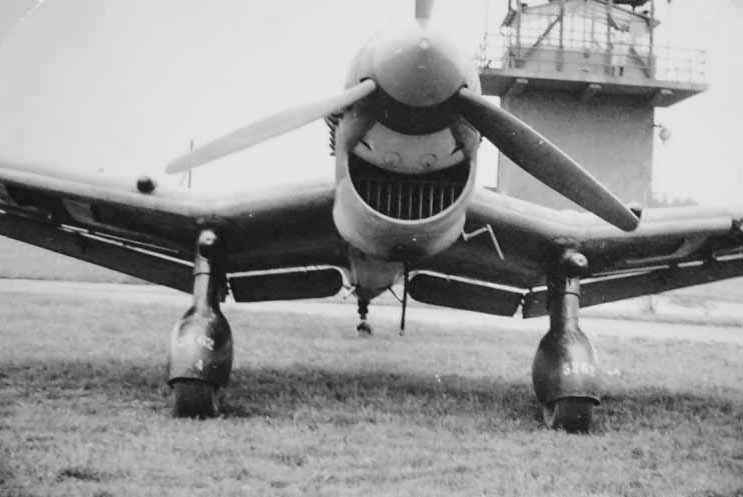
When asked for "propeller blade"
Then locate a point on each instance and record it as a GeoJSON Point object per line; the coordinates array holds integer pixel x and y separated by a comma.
{"type": "Point", "coordinates": [423, 9]}
{"type": "Point", "coordinates": [269, 127]}
{"type": "Point", "coordinates": [536, 155]}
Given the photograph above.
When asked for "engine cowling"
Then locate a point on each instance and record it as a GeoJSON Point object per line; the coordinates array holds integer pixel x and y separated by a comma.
{"type": "Point", "coordinates": [408, 207]}
{"type": "Point", "coordinates": [405, 157]}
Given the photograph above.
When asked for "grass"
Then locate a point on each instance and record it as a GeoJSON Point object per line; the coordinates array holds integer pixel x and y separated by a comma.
{"type": "Point", "coordinates": [313, 410]}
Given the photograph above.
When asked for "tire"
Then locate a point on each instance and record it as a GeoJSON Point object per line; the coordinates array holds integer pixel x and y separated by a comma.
{"type": "Point", "coordinates": [572, 414]}
{"type": "Point", "coordinates": [195, 399]}
{"type": "Point", "coordinates": [364, 329]}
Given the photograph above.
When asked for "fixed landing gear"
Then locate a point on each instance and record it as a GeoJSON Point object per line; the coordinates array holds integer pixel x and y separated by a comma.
{"type": "Point", "coordinates": [564, 372]}
{"type": "Point", "coordinates": [364, 329]}
{"type": "Point", "coordinates": [572, 414]}
{"type": "Point", "coordinates": [200, 356]}
{"type": "Point", "coordinates": [194, 399]}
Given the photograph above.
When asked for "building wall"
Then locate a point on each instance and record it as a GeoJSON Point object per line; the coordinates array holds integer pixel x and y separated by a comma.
{"type": "Point", "coordinates": [611, 136]}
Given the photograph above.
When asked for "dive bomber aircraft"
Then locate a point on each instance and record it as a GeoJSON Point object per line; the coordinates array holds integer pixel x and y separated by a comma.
{"type": "Point", "coordinates": [403, 209]}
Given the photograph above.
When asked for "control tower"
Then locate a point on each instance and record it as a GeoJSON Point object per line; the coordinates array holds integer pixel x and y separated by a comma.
{"type": "Point", "coordinates": [587, 74]}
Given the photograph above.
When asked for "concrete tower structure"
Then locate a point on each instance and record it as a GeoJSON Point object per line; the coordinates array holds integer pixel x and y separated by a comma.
{"type": "Point", "coordinates": [587, 74]}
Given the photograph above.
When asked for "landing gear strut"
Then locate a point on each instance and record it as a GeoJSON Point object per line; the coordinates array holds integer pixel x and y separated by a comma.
{"type": "Point", "coordinates": [200, 356]}
{"type": "Point", "coordinates": [565, 372]}
{"type": "Point", "coordinates": [364, 329]}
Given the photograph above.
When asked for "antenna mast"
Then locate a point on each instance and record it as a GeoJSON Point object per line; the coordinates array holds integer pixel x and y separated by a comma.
{"type": "Point", "coordinates": [190, 171]}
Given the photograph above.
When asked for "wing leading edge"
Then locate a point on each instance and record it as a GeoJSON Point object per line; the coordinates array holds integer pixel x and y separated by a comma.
{"type": "Point", "coordinates": [507, 246]}
{"type": "Point", "coordinates": [151, 235]}
{"type": "Point", "coordinates": [497, 265]}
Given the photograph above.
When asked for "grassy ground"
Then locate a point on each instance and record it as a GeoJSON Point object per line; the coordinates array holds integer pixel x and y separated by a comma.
{"type": "Point", "coordinates": [313, 410]}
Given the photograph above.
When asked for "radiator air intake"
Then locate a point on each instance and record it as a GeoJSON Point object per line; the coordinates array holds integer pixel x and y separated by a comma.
{"type": "Point", "coordinates": [408, 197]}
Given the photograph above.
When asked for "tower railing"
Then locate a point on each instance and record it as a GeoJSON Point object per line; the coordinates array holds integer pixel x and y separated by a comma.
{"type": "Point", "coordinates": [533, 51]}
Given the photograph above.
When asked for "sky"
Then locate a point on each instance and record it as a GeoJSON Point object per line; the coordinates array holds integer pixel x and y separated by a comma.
{"type": "Point", "coordinates": [120, 87]}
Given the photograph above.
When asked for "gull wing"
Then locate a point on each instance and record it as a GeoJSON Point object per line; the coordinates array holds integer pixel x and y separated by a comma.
{"type": "Point", "coordinates": [502, 255]}
{"type": "Point", "coordinates": [152, 235]}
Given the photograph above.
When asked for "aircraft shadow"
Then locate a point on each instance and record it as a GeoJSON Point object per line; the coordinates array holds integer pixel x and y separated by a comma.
{"type": "Point", "coordinates": [344, 397]}
{"type": "Point", "coordinates": [285, 392]}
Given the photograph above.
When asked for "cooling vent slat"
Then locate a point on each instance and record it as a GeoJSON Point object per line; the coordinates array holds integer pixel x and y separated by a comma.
{"type": "Point", "coordinates": [410, 200]}
{"type": "Point", "coordinates": [407, 196]}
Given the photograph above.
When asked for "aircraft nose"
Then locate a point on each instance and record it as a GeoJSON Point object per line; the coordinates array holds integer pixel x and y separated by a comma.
{"type": "Point", "coordinates": [418, 68]}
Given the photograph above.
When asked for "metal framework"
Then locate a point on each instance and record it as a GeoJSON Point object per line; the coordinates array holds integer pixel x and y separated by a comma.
{"type": "Point", "coordinates": [603, 35]}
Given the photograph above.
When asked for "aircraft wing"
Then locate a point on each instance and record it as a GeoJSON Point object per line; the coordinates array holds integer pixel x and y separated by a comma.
{"type": "Point", "coordinates": [499, 263]}
{"type": "Point", "coordinates": [152, 235]}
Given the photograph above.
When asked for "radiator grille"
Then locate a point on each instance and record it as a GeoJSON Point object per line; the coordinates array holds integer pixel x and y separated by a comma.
{"type": "Point", "coordinates": [404, 196]}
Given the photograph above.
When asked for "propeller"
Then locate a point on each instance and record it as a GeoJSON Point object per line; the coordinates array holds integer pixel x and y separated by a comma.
{"type": "Point", "coordinates": [269, 127]}
{"type": "Point", "coordinates": [423, 10]}
{"type": "Point", "coordinates": [536, 155]}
